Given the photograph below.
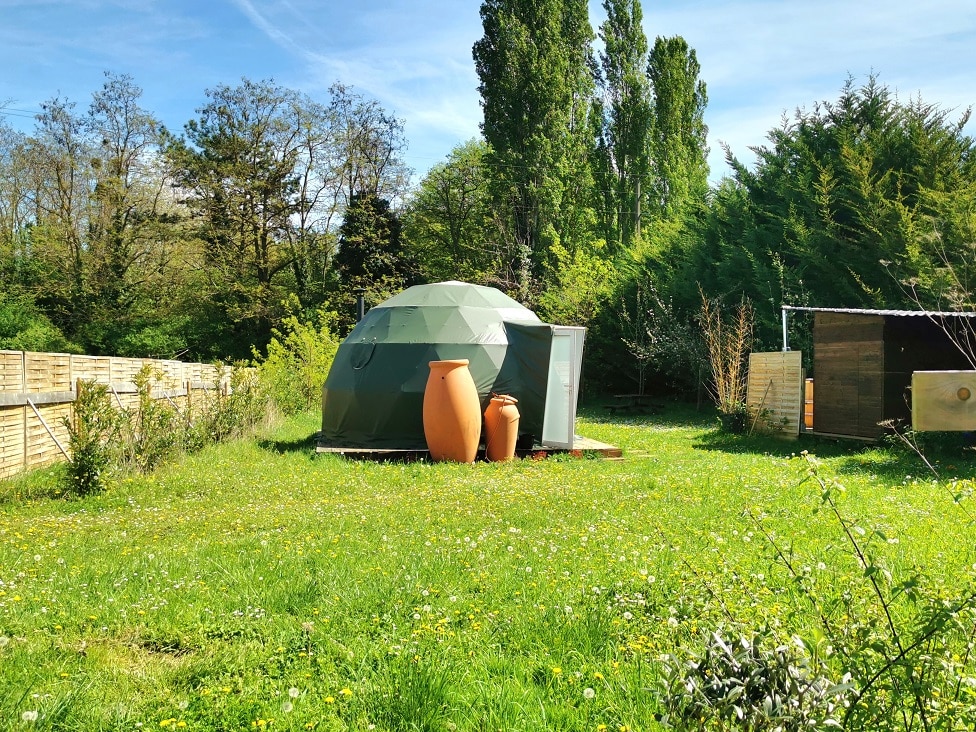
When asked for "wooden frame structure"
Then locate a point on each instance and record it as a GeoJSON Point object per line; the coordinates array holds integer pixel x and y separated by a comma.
{"type": "Point", "coordinates": [863, 361]}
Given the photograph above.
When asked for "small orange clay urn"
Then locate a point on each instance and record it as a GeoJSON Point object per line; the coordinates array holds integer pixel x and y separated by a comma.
{"type": "Point", "coordinates": [501, 428]}
{"type": "Point", "coordinates": [452, 412]}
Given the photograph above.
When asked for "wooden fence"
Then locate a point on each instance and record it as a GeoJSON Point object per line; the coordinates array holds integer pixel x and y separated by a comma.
{"type": "Point", "coordinates": [37, 393]}
{"type": "Point", "coordinates": [776, 390]}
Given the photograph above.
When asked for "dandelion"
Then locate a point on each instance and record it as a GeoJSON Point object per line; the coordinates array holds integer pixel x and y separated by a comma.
{"type": "Point", "coordinates": [4, 640]}
{"type": "Point", "coordinates": [589, 693]}
{"type": "Point", "coordinates": [346, 692]}
{"type": "Point", "coordinates": [330, 700]}
{"type": "Point", "coordinates": [628, 615]}
{"type": "Point", "coordinates": [29, 715]}
{"type": "Point", "coordinates": [556, 671]}
{"type": "Point", "coordinates": [293, 692]}
{"type": "Point", "coordinates": [287, 707]}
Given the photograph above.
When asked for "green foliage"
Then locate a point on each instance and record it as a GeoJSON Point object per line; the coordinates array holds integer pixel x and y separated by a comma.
{"type": "Point", "coordinates": [678, 149]}
{"type": "Point", "coordinates": [533, 64]}
{"type": "Point", "coordinates": [92, 433]}
{"type": "Point", "coordinates": [581, 285]}
{"type": "Point", "coordinates": [372, 256]}
{"type": "Point", "coordinates": [232, 406]}
{"type": "Point", "coordinates": [449, 224]}
{"type": "Point", "coordinates": [24, 327]}
{"type": "Point", "coordinates": [297, 362]}
{"type": "Point", "coordinates": [849, 201]}
{"type": "Point", "coordinates": [622, 165]}
{"type": "Point", "coordinates": [154, 429]}
{"type": "Point", "coordinates": [752, 683]}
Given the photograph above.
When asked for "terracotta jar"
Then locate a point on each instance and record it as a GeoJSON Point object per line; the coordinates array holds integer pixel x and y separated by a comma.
{"type": "Point", "coordinates": [501, 427]}
{"type": "Point", "coordinates": [452, 412]}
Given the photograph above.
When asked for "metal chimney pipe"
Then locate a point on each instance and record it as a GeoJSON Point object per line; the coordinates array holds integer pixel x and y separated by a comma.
{"type": "Point", "coordinates": [360, 303]}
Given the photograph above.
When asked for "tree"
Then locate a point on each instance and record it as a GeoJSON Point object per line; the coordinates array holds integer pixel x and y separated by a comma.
{"type": "Point", "coordinates": [449, 223]}
{"type": "Point", "coordinates": [132, 248]}
{"type": "Point", "coordinates": [371, 256]}
{"type": "Point", "coordinates": [624, 147]}
{"type": "Point", "coordinates": [269, 173]}
{"type": "Point", "coordinates": [534, 64]}
{"type": "Point", "coordinates": [838, 190]}
{"type": "Point", "coordinates": [678, 149]}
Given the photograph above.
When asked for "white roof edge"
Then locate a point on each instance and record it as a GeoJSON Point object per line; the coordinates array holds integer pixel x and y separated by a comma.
{"type": "Point", "coordinates": [870, 311]}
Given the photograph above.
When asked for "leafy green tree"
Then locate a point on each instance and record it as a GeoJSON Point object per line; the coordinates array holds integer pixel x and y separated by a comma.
{"type": "Point", "coordinates": [23, 327]}
{"type": "Point", "coordinates": [449, 223]}
{"type": "Point", "coordinates": [237, 167]}
{"type": "Point", "coordinates": [269, 173]}
{"type": "Point", "coordinates": [534, 64]}
{"type": "Point", "coordinates": [678, 150]}
{"type": "Point", "coordinates": [624, 147]}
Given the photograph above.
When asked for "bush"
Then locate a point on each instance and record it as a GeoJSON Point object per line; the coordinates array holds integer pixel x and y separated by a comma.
{"type": "Point", "coordinates": [298, 360]}
{"type": "Point", "coordinates": [753, 683]}
{"type": "Point", "coordinates": [91, 432]}
{"type": "Point", "coordinates": [154, 429]}
{"type": "Point", "coordinates": [231, 410]}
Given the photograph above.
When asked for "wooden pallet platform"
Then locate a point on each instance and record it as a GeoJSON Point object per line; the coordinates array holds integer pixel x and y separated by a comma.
{"type": "Point", "coordinates": [584, 446]}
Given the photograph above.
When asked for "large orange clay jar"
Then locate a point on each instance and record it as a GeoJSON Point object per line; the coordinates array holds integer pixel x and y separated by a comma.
{"type": "Point", "coordinates": [452, 412]}
{"type": "Point", "coordinates": [501, 428]}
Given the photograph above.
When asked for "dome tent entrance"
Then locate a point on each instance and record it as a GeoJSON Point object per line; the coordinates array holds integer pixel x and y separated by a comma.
{"type": "Point", "coordinates": [373, 396]}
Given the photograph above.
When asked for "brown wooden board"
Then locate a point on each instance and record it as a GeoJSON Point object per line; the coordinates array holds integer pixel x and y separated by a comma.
{"type": "Point", "coordinates": [11, 441]}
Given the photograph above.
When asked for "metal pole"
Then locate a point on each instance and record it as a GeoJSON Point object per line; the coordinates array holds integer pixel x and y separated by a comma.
{"type": "Point", "coordinates": [786, 346]}
{"type": "Point", "coordinates": [360, 303]}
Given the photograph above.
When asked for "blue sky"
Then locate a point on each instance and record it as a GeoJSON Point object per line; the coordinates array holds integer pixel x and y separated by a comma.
{"type": "Point", "coordinates": [759, 58]}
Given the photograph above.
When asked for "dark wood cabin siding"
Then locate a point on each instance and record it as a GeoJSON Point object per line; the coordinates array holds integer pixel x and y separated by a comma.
{"type": "Point", "coordinates": [913, 343]}
{"type": "Point", "coordinates": [848, 366]}
{"type": "Point", "coordinates": [863, 364]}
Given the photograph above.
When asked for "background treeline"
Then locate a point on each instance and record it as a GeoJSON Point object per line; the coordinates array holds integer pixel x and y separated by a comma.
{"type": "Point", "coordinates": [587, 198]}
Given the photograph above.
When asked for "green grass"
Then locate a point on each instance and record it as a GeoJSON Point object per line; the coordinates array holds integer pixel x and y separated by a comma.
{"type": "Point", "coordinates": [258, 585]}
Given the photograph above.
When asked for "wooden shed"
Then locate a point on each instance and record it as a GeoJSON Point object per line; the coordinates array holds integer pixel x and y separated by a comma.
{"type": "Point", "coordinates": [863, 362]}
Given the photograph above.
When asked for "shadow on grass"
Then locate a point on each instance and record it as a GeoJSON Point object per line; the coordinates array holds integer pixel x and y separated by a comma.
{"type": "Point", "coordinates": [889, 462]}
{"type": "Point", "coordinates": [297, 444]}
{"type": "Point", "coordinates": [669, 414]}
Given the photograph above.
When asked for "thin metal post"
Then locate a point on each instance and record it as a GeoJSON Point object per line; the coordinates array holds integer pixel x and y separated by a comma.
{"type": "Point", "coordinates": [786, 345]}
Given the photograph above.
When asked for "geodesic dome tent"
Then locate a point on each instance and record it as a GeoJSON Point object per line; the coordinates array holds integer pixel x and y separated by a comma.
{"type": "Point", "coordinates": [373, 396]}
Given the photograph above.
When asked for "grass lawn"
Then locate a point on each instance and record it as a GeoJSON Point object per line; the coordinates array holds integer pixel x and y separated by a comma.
{"type": "Point", "coordinates": [257, 585]}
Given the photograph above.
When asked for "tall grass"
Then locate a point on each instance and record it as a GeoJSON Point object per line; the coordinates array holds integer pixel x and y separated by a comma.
{"type": "Point", "coordinates": [256, 585]}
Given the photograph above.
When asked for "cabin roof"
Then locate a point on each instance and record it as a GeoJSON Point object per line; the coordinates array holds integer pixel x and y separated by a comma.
{"type": "Point", "coordinates": [868, 311]}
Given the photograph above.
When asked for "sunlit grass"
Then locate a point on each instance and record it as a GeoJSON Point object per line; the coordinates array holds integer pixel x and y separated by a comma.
{"type": "Point", "coordinates": [258, 585]}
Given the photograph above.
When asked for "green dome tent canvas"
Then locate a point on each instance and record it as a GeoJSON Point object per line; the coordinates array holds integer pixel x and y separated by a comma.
{"type": "Point", "coordinates": [373, 396]}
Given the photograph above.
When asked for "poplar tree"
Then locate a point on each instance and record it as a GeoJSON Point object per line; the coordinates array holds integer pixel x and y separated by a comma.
{"type": "Point", "coordinates": [623, 164]}
{"type": "Point", "coordinates": [535, 64]}
{"type": "Point", "coordinates": [678, 148]}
